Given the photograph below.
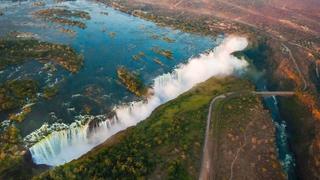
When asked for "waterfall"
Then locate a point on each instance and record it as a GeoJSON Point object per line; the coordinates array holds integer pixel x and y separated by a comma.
{"type": "Point", "coordinates": [56, 146]}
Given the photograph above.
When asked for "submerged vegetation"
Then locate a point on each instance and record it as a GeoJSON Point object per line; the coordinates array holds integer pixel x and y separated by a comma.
{"type": "Point", "coordinates": [15, 51]}
{"type": "Point", "coordinates": [132, 82]}
{"type": "Point", "coordinates": [142, 55]}
{"type": "Point", "coordinates": [64, 16]}
{"type": "Point", "coordinates": [38, 3]}
{"type": "Point", "coordinates": [139, 56]}
{"type": "Point", "coordinates": [168, 144]}
{"type": "Point", "coordinates": [166, 53]}
{"type": "Point", "coordinates": [168, 40]}
{"type": "Point", "coordinates": [158, 61]}
{"type": "Point", "coordinates": [112, 34]}
{"type": "Point", "coordinates": [70, 32]}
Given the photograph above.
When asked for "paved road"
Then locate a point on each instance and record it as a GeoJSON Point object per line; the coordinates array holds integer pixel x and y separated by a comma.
{"type": "Point", "coordinates": [206, 164]}
{"type": "Point", "coordinates": [273, 93]}
{"type": "Point", "coordinates": [206, 171]}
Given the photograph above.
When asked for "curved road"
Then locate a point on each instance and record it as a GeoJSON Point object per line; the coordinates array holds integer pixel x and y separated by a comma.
{"type": "Point", "coordinates": [206, 171]}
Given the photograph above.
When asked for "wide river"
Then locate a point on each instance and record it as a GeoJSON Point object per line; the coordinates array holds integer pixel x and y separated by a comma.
{"type": "Point", "coordinates": [109, 41]}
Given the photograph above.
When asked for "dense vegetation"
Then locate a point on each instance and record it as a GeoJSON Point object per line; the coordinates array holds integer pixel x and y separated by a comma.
{"type": "Point", "coordinates": [12, 155]}
{"type": "Point", "coordinates": [16, 93]}
{"type": "Point", "coordinates": [167, 145]}
{"type": "Point", "coordinates": [16, 51]}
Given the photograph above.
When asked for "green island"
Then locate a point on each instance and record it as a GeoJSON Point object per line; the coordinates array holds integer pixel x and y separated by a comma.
{"type": "Point", "coordinates": [64, 16]}
{"type": "Point", "coordinates": [17, 93]}
{"type": "Point", "coordinates": [168, 144]}
{"type": "Point", "coordinates": [14, 51]}
{"type": "Point", "coordinates": [131, 82]}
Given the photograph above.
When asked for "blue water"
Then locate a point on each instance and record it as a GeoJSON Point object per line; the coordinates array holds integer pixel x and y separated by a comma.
{"type": "Point", "coordinates": [95, 85]}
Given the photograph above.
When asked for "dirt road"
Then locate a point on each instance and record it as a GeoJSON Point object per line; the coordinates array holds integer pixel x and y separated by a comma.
{"type": "Point", "coordinates": [207, 164]}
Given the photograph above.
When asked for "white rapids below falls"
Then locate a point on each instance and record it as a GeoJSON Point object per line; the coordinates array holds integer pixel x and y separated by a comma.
{"type": "Point", "coordinates": [59, 143]}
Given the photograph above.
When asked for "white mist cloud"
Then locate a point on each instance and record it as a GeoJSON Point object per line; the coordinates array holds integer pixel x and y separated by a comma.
{"type": "Point", "coordinates": [63, 146]}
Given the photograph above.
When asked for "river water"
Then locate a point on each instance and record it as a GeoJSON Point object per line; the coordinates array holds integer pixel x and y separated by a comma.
{"type": "Point", "coordinates": [108, 42]}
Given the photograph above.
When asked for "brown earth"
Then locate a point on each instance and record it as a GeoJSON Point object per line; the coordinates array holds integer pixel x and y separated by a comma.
{"type": "Point", "coordinates": [246, 141]}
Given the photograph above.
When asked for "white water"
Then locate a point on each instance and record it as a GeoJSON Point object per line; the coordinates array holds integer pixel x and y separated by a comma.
{"type": "Point", "coordinates": [68, 144]}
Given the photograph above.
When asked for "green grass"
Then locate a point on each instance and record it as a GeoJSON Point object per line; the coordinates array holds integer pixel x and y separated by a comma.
{"type": "Point", "coordinates": [168, 144]}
